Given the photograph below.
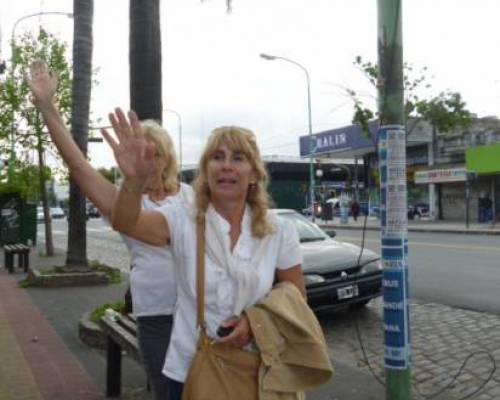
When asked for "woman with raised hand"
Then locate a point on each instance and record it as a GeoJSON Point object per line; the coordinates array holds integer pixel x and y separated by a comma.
{"type": "Point", "coordinates": [247, 247]}
{"type": "Point", "coordinates": [152, 279]}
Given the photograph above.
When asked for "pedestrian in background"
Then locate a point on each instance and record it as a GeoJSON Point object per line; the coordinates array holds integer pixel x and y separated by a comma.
{"type": "Point", "coordinates": [355, 209]}
{"type": "Point", "coordinates": [152, 278]}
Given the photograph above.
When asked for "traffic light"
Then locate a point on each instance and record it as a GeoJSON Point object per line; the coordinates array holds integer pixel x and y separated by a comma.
{"type": "Point", "coordinates": [2, 67]}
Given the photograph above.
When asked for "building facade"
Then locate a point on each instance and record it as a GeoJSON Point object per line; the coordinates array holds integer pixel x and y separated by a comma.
{"type": "Point", "coordinates": [438, 173]}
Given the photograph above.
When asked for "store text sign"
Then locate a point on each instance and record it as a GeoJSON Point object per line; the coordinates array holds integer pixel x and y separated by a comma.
{"type": "Point", "coordinates": [441, 175]}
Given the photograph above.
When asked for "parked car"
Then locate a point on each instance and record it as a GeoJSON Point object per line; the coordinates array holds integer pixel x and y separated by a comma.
{"type": "Point", "coordinates": [318, 210]}
{"type": "Point", "coordinates": [92, 211]}
{"type": "Point", "coordinates": [332, 274]}
{"type": "Point", "coordinates": [39, 214]}
{"type": "Point", "coordinates": [57, 212]}
{"type": "Point", "coordinates": [418, 210]}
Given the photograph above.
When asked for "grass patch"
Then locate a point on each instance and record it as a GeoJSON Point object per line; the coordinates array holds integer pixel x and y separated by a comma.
{"type": "Point", "coordinates": [113, 274]}
{"type": "Point", "coordinates": [118, 306]}
{"type": "Point", "coordinates": [25, 283]}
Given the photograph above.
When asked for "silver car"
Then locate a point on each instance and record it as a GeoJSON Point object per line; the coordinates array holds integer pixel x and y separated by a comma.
{"type": "Point", "coordinates": [335, 273]}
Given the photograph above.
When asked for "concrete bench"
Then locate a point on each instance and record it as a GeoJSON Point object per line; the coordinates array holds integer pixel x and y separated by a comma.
{"type": "Point", "coordinates": [121, 335]}
{"type": "Point", "coordinates": [23, 256]}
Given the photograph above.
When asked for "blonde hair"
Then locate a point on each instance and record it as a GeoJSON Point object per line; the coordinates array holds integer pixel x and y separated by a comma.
{"type": "Point", "coordinates": [164, 145]}
{"type": "Point", "coordinates": [242, 140]}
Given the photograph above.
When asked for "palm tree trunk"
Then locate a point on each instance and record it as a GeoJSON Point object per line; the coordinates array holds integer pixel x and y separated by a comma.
{"type": "Point", "coordinates": [145, 59]}
{"type": "Point", "coordinates": [83, 11]}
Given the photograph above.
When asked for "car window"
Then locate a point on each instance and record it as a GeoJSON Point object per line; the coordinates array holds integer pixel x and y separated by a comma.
{"type": "Point", "coordinates": [308, 232]}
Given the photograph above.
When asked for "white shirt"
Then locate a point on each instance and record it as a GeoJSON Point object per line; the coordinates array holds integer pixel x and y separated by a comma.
{"type": "Point", "coordinates": [282, 251]}
{"type": "Point", "coordinates": [152, 277]}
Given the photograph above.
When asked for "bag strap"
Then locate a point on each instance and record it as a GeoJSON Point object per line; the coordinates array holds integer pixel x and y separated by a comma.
{"type": "Point", "coordinates": [200, 273]}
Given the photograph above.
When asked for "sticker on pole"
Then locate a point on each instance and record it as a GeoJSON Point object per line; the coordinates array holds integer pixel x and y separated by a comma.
{"type": "Point", "coordinates": [394, 245]}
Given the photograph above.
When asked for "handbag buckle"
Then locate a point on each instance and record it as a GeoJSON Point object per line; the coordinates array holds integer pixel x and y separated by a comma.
{"type": "Point", "coordinates": [204, 342]}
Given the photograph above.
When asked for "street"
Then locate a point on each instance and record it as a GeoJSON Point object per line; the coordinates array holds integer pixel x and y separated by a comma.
{"type": "Point", "coordinates": [454, 269]}
{"type": "Point", "coordinates": [443, 336]}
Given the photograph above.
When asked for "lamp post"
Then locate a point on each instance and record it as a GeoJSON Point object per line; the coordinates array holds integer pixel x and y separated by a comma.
{"type": "Point", "coordinates": [311, 141]}
{"type": "Point", "coordinates": [12, 44]}
{"type": "Point", "coordinates": [179, 119]}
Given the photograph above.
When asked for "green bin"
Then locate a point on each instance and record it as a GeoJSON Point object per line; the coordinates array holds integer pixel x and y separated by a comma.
{"type": "Point", "coordinates": [17, 220]}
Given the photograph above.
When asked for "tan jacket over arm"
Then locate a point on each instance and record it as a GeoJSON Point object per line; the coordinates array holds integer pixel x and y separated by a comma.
{"type": "Point", "coordinates": [294, 356]}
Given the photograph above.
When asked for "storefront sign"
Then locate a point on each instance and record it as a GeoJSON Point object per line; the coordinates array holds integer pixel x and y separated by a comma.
{"type": "Point", "coordinates": [336, 140]}
{"type": "Point", "coordinates": [441, 175]}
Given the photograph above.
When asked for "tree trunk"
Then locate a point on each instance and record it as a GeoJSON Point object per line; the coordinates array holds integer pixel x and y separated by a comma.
{"type": "Point", "coordinates": [49, 243]}
{"type": "Point", "coordinates": [145, 59]}
{"type": "Point", "coordinates": [83, 11]}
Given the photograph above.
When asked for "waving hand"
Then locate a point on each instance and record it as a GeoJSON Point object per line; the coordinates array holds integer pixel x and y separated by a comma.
{"type": "Point", "coordinates": [133, 152]}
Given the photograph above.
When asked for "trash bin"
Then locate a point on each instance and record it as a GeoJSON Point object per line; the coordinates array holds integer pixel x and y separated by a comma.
{"type": "Point", "coordinates": [17, 220]}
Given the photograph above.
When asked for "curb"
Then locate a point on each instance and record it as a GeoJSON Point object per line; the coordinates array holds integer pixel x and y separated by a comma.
{"type": "Point", "coordinates": [417, 229]}
{"type": "Point", "coordinates": [91, 333]}
{"type": "Point", "coordinates": [66, 279]}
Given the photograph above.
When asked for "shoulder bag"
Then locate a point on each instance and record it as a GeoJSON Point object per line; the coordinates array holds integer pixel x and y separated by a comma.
{"type": "Point", "coordinates": [217, 371]}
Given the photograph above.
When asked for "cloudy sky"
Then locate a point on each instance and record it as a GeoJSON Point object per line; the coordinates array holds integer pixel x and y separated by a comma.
{"type": "Point", "coordinates": [213, 75]}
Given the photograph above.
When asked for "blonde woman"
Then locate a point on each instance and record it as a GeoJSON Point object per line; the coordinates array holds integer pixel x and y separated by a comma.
{"type": "Point", "coordinates": [246, 246]}
{"type": "Point", "coordinates": [152, 278]}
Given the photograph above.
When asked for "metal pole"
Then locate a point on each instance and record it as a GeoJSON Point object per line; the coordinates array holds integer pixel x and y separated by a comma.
{"type": "Point", "coordinates": [179, 119]}
{"type": "Point", "coordinates": [467, 201]}
{"type": "Point", "coordinates": [309, 114]}
{"type": "Point", "coordinates": [356, 183]}
{"type": "Point", "coordinates": [12, 45]}
{"type": "Point", "coordinates": [311, 145]}
{"type": "Point", "coordinates": [493, 201]}
{"type": "Point", "coordinates": [393, 201]}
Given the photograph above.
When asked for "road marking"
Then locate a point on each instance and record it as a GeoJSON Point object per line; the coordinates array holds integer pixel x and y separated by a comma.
{"type": "Point", "coordinates": [438, 245]}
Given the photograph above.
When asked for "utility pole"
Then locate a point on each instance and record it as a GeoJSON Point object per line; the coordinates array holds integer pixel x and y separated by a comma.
{"type": "Point", "coordinates": [393, 201]}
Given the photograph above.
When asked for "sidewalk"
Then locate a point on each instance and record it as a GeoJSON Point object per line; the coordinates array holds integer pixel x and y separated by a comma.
{"type": "Point", "coordinates": [422, 225]}
{"type": "Point", "coordinates": [43, 359]}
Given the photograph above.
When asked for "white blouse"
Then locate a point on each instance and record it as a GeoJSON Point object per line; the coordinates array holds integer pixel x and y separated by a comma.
{"type": "Point", "coordinates": [152, 277]}
{"type": "Point", "coordinates": [281, 251]}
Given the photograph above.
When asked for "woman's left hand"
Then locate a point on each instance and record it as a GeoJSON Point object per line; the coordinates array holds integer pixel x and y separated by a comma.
{"type": "Point", "coordinates": [242, 333]}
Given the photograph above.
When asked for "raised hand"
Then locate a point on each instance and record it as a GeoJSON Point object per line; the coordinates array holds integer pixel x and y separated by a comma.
{"type": "Point", "coordinates": [42, 82]}
{"type": "Point", "coordinates": [133, 152]}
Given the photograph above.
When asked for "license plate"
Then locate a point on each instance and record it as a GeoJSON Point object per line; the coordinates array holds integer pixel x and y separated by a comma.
{"type": "Point", "coordinates": [347, 292]}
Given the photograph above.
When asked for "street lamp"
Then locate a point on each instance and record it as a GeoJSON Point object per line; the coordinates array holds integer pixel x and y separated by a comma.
{"type": "Point", "coordinates": [311, 141]}
{"type": "Point", "coordinates": [12, 43]}
{"type": "Point", "coordinates": [179, 119]}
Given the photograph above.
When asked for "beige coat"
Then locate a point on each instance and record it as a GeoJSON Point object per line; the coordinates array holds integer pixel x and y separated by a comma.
{"type": "Point", "coordinates": [294, 356]}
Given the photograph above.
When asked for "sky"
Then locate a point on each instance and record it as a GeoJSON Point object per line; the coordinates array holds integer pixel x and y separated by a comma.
{"type": "Point", "coordinates": [213, 75]}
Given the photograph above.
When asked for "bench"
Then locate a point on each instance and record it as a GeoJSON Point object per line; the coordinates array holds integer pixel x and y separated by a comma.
{"type": "Point", "coordinates": [121, 335]}
{"type": "Point", "coordinates": [23, 256]}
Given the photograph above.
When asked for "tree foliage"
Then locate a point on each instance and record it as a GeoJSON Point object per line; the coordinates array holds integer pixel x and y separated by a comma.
{"type": "Point", "coordinates": [22, 126]}
{"type": "Point", "coordinates": [112, 174]}
{"type": "Point", "coordinates": [19, 115]}
{"type": "Point", "coordinates": [444, 112]}
{"type": "Point", "coordinates": [23, 180]}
